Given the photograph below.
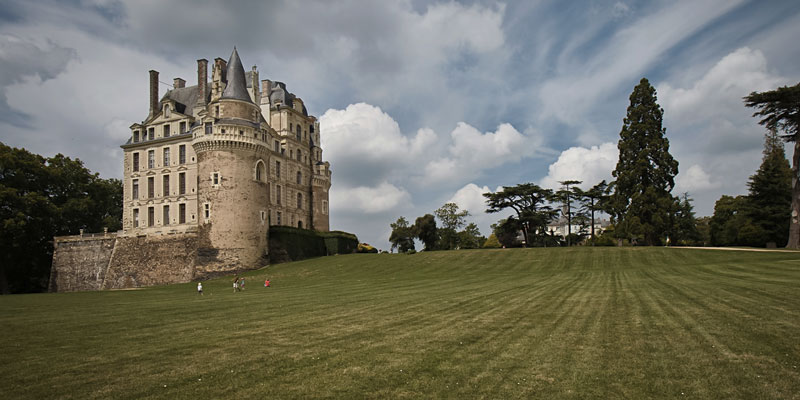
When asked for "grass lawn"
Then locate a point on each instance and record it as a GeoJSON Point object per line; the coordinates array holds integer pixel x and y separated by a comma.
{"type": "Point", "coordinates": [502, 324]}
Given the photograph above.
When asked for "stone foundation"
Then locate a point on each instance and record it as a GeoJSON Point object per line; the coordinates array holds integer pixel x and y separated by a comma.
{"type": "Point", "coordinates": [80, 262]}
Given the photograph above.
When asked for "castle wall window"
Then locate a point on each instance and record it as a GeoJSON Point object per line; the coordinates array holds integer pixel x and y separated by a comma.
{"type": "Point", "coordinates": [207, 210]}
{"type": "Point", "coordinates": [182, 154]}
{"type": "Point", "coordinates": [325, 207]}
{"type": "Point", "coordinates": [215, 178]}
{"type": "Point", "coordinates": [151, 133]}
{"type": "Point", "coordinates": [150, 187]}
{"type": "Point", "coordinates": [260, 171]}
{"type": "Point", "coordinates": [216, 111]}
{"type": "Point", "coordinates": [300, 224]}
{"type": "Point", "coordinates": [311, 128]}
{"type": "Point", "coordinates": [166, 111]}
{"type": "Point", "coordinates": [182, 183]}
{"type": "Point", "coordinates": [166, 130]}
{"type": "Point", "coordinates": [165, 219]}
{"type": "Point", "coordinates": [135, 191]}
{"type": "Point", "coordinates": [279, 218]}
{"type": "Point", "coordinates": [182, 127]}
{"type": "Point", "coordinates": [166, 156]}
{"type": "Point", "coordinates": [151, 216]}
{"type": "Point", "coordinates": [299, 176]}
{"type": "Point", "coordinates": [135, 217]}
{"type": "Point", "coordinates": [299, 154]}
{"type": "Point", "coordinates": [277, 146]}
{"type": "Point", "coordinates": [151, 159]}
{"type": "Point", "coordinates": [182, 213]}
{"type": "Point", "coordinates": [278, 195]}
{"type": "Point", "coordinates": [300, 200]}
{"type": "Point", "coordinates": [135, 161]}
{"type": "Point", "coordinates": [209, 127]}
{"type": "Point", "coordinates": [297, 135]}
{"type": "Point", "coordinates": [135, 136]}
{"type": "Point", "coordinates": [263, 216]}
{"type": "Point", "coordinates": [278, 169]}
{"type": "Point", "coordinates": [165, 186]}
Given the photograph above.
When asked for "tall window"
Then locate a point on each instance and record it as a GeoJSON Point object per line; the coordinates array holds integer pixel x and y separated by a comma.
{"type": "Point", "coordinates": [166, 111]}
{"type": "Point", "coordinates": [277, 146]}
{"type": "Point", "coordinates": [135, 191]}
{"type": "Point", "coordinates": [207, 210]}
{"type": "Point", "coordinates": [182, 213]}
{"type": "Point", "coordinates": [151, 159]}
{"type": "Point", "coordinates": [166, 130]}
{"type": "Point", "coordinates": [182, 183]}
{"type": "Point", "coordinates": [151, 133]}
{"type": "Point", "coordinates": [135, 217]}
{"type": "Point", "coordinates": [299, 176]}
{"type": "Point", "coordinates": [150, 187]}
{"type": "Point", "coordinates": [135, 161]}
{"type": "Point", "coordinates": [151, 216]}
{"type": "Point", "coordinates": [135, 136]}
{"type": "Point", "coordinates": [279, 218]}
{"type": "Point", "coordinates": [300, 200]}
{"type": "Point", "coordinates": [324, 206]}
{"type": "Point", "coordinates": [215, 178]}
{"type": "Point", "coordinates": [209, 128]}
{"type": "Point", "coordinates": [166, 156]}
{"type": "Point", "coordinates": [182, 154]}
{"type": "Point", "coordinates": [260, 171]}
{"type": "Point", "coordinates": [278, 194]}
{"type": "Point", "coordinates": [299, 154]}
{"type": "Point", "coordinates": [165, 220]}
{"type": "Point", "coordinates": [300, 224]}
{"type": "Point", "coordinates": [297, 135]}
{"type": "Point", "coordinates": [165, 186]}
{"type": "Point", "coordinates": [278, 169]}
{"type": "Point", "coordinates": [182, 127]}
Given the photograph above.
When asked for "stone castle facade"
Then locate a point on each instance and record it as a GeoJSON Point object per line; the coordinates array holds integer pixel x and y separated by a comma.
{"type": "Point", "coordinates": [205, 175]}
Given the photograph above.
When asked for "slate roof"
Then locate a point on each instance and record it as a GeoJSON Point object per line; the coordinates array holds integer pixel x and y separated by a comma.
{"type": "Point", "coordinates": [237, 84]}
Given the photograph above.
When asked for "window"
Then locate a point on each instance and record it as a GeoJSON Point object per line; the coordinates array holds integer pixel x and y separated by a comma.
{"type": "Point", "coordinates": [182, 183]}
{"type": "Point", "coordinates": [135, 217]}
{"type": "Point", "coordinates": [260, 171]}
{"type": "Point", "coordinates": [297, 135]}
{"type": "Point", "coordinates": [278, 194]}
{"type": "Point", "coordinates": [166, 111]}
{"type": "Point", "coordinates": [278, 169]}
{"type": "Point", "coordinates": [166, 156]}
{"type": "Point", "coordinates": [325, 207]}
{"type": "Point", "coordinates": [299, 176]}
{"type": "Point", "coordinates": [135, 191]}
{"type": "Point", "coordinates": [216, 111]}
{"type": "Point", "coordinates": [151, 133]}
{"type": "Point", "coordinates": [263, 216]}
{"type": "Point", "coordinates": [300, 200]}
{"type": "Point", "coordinates": [311, 129]}
{"type": "Point", "coordinates": [279, 218]}
{"type": "Point", "coordinates": [150, 187]}
{"type": "Point", "coordinates": [277, 146]}
{"type": "Point", "coordinates": [215, 178]}
{"type": "Point", "coordinates": [182, 127]}
{"type": "Point", "coordinates": [209, 127]}
{"type": "Point", "coordinates": [166, 130]}
{"type": "Point", "coordinates": [181, 213]}
{"type": "Point", "coordinates": [135, 161]}
{"type": "Point", "coordinates": [165, 220]}
{"type": "Point", "coordinates": [151, 216]}
{"type": "Point", "coordinates": [300, 224]}
{"type": "Point", "coordinates": [291, 155]}
{"type": "Point", "coordinates": [182, 154]}
{"type": "Point", "coordinates": [207, 210]}
{"type": "Point", "coordinates": [299, 154]}
{"type": "Point", "coordinates": [135, 136]}
{"type": "Point", "coordinates": [165, 186]}
{"type": "Point", "coordinates": [151, 159]}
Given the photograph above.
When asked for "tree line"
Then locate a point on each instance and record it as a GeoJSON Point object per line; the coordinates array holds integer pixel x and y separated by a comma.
{"type": "Point", "coordinates": [44, 197]}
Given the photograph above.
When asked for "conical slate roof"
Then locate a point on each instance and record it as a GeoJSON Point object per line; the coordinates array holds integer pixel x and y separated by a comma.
{"type": "Point", "coordinates": [237, 84]}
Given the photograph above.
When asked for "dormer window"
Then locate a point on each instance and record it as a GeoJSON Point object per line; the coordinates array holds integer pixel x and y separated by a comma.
{"type": "Point", "coordinates": [166, 110]}
{"type": "Point", "coordinates": [135, 136]}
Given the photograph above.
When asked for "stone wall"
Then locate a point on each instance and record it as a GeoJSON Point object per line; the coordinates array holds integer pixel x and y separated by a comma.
{"type": "Point", "coordinates": [80, 262]}
{"type": "Point", "coordinates": [151, 260]}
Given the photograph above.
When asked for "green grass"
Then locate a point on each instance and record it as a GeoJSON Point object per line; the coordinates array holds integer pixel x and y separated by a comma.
{"type": "Point", "coordinates": [502, 324]}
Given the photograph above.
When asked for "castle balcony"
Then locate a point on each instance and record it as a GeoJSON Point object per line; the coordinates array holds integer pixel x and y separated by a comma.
{"type": "Point", "coordinates": [218, 140]}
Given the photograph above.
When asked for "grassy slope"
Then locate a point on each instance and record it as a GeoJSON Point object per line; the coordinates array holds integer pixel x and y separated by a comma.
{"type": "Point", "coordinates": [579, 322]}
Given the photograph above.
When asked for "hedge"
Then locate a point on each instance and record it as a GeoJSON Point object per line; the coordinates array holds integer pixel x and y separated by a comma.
{"type": "Point", "coordinates": [292, 244]}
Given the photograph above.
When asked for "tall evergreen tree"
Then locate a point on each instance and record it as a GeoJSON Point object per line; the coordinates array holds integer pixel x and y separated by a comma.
{"type": "Point", "coordinates": [771, 191]}
{"type": "Point", "coordinates": [645, 172]}
{"type": "Point", "coordinates": [781, 111]}
{"type": "Point", "coordinates": [566, 195]}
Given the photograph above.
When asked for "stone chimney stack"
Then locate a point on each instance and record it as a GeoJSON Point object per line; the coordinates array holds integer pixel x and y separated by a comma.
{"type": "Point", "coordinates": [153, 92]}
{"type": "Point", "coordinates": [178, 83]}
{"type": "Point", "coordinates": [266, 90]}
{"type": "Point", "coordinates": [202, 79]}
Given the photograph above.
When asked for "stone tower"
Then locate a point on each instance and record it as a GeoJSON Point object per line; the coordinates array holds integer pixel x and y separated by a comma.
{"type": "Point", "coordinates": [233, 194]}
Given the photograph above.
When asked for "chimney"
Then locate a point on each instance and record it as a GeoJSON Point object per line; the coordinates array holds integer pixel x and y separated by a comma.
{"type": "Point", "coordinates": [153, 92]}
{"type": "Point", "coordinates": [266, 90]}
{"type": "Point", "coordinates": [178, 83]}
{"type": "Point", "coordinates": [202, 78]}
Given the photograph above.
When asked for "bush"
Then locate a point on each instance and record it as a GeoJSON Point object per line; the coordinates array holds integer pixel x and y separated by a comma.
{"type": "Point", "coordinates": [412, 251]}
{"type": "Point", "coordinates": [291, 244]}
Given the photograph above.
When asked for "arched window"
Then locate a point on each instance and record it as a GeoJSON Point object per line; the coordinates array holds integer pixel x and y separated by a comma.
{"type": "Point", "coordinates": [299, 200]}
{"type": "Point", "coordinates": [261, 171]}
{"type": "Point", "coordinates": [299, 176]}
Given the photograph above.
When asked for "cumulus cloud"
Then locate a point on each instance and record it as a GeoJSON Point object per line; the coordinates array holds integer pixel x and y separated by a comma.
{"type": "Point", "coordinates": [693, 180]}
{"type": "Point", "coordinates": [589, 165]}
{"type": "Point", "coordinates": [369, 200]}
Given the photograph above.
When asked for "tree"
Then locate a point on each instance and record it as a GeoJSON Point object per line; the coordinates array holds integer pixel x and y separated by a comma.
{"type": "Point", "coordinates": [470, 237]}
{"type": "Point", "coordinates": [731, 226]}
{"type": "Point", "coordinates": [780, 109]}
{"type": "Point", "coordinates": [529, 201]}
{"type": "Point", "coordinates": [771, 192]}
{"type": "Point", "coordinates": [402, 236]}
{"type": "Point", "coordinates": [452, 220]}
{"type": "Point", "coordinates": [45, 197]}
{"type": "Point", "coordinates": [566, 195]}
{"type": "Point", "coordinates": [426, 231]}
{"type": "Point", "coordinates": [506, 231]}
{"type": "Point", "coordinates": [684, 230]}
{"type": "Point", "coordinates": [593, 200]}
{"type": "Point", "coordinates": [645, 172]}
{"type": "Point", "coordinates": [492, 242]}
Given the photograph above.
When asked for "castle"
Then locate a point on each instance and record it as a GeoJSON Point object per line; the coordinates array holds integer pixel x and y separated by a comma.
{"type": "Point", "coordinates": [205, 175]}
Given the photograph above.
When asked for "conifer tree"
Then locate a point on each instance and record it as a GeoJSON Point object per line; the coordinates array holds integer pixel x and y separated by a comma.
{"type": "Point", "coordinates": [645, 172]}
{"type": "Point", "coordinates": [771, 191]}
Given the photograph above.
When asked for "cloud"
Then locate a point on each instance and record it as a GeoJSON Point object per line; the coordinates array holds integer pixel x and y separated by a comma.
{"type": "Point", "coordinates": [589, 165]}
{"type": "Point", "coordinates": [369, 200]}
{"type": "Point", "coordinates": [693, 180]}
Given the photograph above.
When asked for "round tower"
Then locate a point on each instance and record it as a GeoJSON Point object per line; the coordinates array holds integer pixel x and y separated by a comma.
{"type": "Point", "coordinates": [232, 190]}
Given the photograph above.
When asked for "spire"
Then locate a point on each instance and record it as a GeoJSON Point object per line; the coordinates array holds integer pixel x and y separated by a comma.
{"type": "Point", "coordinates": [237, 85]}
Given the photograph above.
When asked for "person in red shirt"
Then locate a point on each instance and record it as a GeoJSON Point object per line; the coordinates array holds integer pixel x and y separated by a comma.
{"type": "Point", "coordinates": [266, 283]}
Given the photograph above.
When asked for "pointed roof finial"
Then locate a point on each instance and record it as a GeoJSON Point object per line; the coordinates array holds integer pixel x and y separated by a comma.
{"type": "Point", "coordinates": [237, 84]}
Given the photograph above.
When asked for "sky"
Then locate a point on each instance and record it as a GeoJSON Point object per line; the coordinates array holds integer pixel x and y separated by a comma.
{"type": "Point", "coordinates": [420, 102]}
